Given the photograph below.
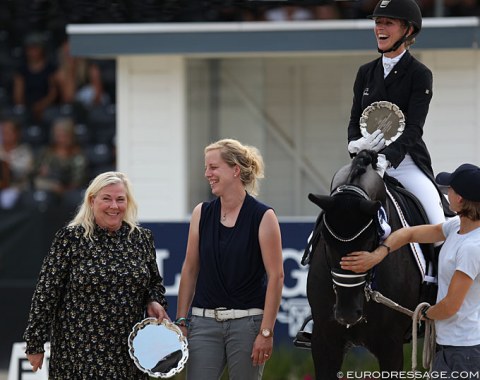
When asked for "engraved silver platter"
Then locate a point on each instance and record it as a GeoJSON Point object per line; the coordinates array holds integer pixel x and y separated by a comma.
{"type": "Point", "coordinates": [385, 116]}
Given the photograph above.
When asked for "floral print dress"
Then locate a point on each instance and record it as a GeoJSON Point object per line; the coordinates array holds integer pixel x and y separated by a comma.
{"type": "Point", "coordinates": [89, 295]}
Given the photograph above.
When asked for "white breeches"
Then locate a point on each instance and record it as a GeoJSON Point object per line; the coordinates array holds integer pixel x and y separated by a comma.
{"type": "Point", "coordinates": [415, 181]}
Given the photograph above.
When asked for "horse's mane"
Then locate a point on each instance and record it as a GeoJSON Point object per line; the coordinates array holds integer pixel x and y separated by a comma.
{"type": "Point", "coordinates": [361, 162]}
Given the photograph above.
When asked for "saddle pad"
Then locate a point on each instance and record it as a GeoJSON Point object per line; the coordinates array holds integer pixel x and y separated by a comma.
{"type": "Point", "coordinates": [411, 213]}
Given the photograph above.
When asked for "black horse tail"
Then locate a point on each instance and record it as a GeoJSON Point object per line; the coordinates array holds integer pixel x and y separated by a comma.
{"type": "Point", "coordinates": [362, 160]}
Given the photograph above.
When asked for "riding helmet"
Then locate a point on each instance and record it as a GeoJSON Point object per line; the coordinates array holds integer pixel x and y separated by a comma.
{"type": "Point", "coordinates": [407, 10]}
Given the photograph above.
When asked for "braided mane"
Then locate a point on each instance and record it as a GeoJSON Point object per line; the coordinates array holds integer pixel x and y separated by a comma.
{"type": "Point", "coordinates": [361, 162]}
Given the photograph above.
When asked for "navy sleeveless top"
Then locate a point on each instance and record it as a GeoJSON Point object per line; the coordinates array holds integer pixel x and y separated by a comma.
{"type": "Point", "coordinates": [232, 273]}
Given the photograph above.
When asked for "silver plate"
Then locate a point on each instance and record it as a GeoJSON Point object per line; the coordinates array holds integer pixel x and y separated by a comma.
{"type": "Point", "coordinates": [385, 116]}
{"type": "Point", "coordinates": [158, 348]}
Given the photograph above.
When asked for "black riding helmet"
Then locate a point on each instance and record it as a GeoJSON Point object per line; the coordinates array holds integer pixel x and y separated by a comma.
{"type": "Point", "coordinates": [407, 10]}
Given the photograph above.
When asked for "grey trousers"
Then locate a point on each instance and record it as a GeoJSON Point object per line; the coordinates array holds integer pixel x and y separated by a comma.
{"type": "Point", "coordinates": [457, 362]}
{"type": "Point", "coordinates": [215, 345]}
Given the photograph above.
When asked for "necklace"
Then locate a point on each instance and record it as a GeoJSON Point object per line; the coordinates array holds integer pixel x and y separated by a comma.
{"type": "Point", "coordinates": [223, 214]}
{"type": "Point", "coordinates": [223, 217]}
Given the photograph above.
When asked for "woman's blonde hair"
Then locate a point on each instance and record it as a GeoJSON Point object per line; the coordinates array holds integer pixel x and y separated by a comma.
{"type": "Point", "coordinates": [246, 157]}
{"type": "Point", "coordinates": [410, 40]}
{"type": "Point", "coordinates": [85, 217]}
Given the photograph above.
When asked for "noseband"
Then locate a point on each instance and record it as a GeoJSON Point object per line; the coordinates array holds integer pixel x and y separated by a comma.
{"type": "Point", "coordinates": [348, 280]}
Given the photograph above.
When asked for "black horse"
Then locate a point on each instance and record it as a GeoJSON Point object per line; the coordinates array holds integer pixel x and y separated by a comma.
{"type": "Point", "coordinates": [342, 317]}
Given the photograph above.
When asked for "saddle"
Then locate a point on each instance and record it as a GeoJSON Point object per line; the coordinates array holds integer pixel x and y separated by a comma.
{"type": "Point", "coordinates": [414, 214]}
{"type": "Point", "coordinates": [411, 208]}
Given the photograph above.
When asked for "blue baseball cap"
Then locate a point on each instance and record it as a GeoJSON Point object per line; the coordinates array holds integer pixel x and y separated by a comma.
{"type": "Point", "coordinates": [465, 180]}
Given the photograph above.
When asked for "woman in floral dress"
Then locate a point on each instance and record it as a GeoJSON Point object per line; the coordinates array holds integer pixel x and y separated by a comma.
{"type": "Point", "coordinates": [99, 278]}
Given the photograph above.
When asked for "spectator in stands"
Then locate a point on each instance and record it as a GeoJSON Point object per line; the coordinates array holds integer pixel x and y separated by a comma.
{"type": "Point", "coordinates": [79, 79]}
{"type": "Point", "coordinates": [458, 8]}
{"type": "Point", "coordinates": [62, 166]}
{"type": "Point", "coordinates": [34, 82]}
{"type": "Point", "coordinates": [17, 163]}
{"type": "Point", "coordinates": [289, 13]}
{"type": "Point", "coordinates": [92, 92]}
{"type": "Point", "coordinates": [326, 11]}
{"type": "Point", "coordinates": [71, 73]}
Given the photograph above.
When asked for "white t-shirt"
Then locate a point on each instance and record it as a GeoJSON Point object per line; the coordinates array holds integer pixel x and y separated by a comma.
{"type": "Point", "coordinates": [460, 252]}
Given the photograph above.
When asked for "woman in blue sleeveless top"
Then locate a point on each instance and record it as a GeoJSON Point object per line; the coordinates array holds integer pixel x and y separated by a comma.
{"type": "Point", "coordinates": [232, 277]}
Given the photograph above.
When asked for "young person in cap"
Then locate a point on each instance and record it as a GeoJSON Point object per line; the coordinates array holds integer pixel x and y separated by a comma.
{"type": "Point", "coordinates": [397, 77]}
{"type": "Point", "coordinates": [457, 311]}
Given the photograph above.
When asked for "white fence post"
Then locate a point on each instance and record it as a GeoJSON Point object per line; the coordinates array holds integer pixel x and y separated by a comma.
{"type": "Point", "coordinates": [20, 368]}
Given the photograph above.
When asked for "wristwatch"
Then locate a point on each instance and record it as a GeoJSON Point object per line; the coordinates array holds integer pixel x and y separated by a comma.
{"type": "Point", "coordinates": [266, 332]}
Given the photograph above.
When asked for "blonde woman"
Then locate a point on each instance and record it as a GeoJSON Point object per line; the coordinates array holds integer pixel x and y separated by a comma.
{"type": "Point", "coordinates": [232, 276]}
{"type": "Point", "coordinates": [398, 77]}
{"type": "Point", "coordinates": [99, 278]}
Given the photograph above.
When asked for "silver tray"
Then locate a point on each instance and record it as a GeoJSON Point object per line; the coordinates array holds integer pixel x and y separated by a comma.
{"type": "Point", "coordinates": [158, 348]}
{"type": "Point", "coordinates": [385, 116]}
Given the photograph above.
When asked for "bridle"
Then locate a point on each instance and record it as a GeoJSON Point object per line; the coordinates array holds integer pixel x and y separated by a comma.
{"type": "Point", "coordinates": [346, 189]}
{"type": "Point", "coordinates": [349, 280]}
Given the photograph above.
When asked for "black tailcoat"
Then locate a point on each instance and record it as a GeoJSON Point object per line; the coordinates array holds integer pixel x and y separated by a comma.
{"type": "Point", "coordinates": [409, 86]}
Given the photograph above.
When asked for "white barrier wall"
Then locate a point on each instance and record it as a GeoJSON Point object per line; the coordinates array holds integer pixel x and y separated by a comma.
{"type": "Point", "coordinates": [20, 368]}
{"type": "Point", "coordinates": [151, 133]}
{"type": "Point", "coordinates": [452, 131]}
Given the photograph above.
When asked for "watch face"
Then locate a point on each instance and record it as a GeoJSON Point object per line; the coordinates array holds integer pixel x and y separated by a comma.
{"type": "Point", "coordinates": [266, 333]}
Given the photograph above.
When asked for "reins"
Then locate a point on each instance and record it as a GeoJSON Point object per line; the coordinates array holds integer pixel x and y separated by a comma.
{"type": "Point", "coordinates": [429, 343]}
{"type": "Point", "coordinates": [378, 297]}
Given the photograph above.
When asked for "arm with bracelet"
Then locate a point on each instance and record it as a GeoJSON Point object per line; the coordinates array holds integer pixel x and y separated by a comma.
{"type": "Point", "coordinates": [362, 261]}
{"type": "Point", "coordinates": [182, 322]}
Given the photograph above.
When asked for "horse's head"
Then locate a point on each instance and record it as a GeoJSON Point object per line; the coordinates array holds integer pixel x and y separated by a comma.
{"type": "Point", "coordinates": [350, 224]}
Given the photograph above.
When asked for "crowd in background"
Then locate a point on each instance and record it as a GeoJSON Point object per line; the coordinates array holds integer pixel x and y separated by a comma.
{"type": "Point", "coordinates": [57, 121]}
{"type": "Point", "coordinates": [57, 111]}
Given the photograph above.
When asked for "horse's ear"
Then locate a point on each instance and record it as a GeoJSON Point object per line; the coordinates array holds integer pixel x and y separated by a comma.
{"type": "Point", "coordinates": [325, 202]}
{"type": "Point", "coordinates": [370, 207]}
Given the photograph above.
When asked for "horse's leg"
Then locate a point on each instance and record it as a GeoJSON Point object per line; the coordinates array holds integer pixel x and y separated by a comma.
{"type": "Point", "coordinates": [328, 341]}
{"type": "Point", "coordinates": [327, 351]}
{"type": "Point", "coordinates": [389, 351]}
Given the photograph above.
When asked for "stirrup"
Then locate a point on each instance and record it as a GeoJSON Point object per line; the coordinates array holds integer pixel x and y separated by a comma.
{"type": "Point", "coordinates": [303, 339]}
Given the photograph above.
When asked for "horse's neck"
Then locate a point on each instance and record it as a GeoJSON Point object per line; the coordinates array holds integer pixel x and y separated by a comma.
{"type": "Point", "coordinates": [373, 185]}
